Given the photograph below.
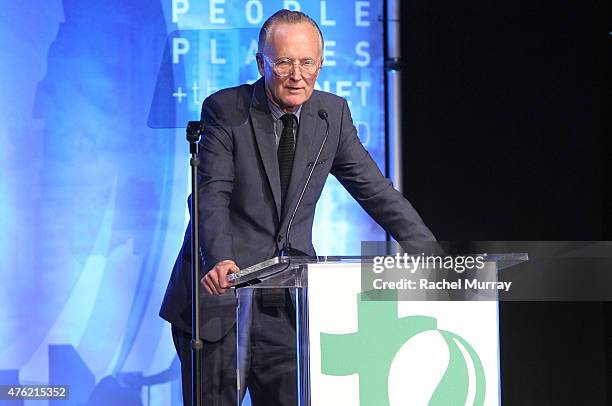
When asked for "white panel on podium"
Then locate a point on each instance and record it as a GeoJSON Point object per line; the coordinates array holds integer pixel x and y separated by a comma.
{"type": "Point", "coordinates": [418, 367]}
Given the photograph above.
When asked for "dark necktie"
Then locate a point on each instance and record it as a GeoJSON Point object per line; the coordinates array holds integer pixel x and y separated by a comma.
{"type": "Point", "coordinates": [286, 151]}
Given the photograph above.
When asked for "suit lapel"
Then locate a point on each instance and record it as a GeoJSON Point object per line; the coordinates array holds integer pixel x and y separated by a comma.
{"type": "Point", "coordinates": [308, 144]}
{"type": "Point", "coordinates": [263, 128]}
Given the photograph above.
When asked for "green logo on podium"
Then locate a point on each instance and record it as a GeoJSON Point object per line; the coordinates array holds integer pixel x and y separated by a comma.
{"type": "Point", "coordinates": [371, 350]}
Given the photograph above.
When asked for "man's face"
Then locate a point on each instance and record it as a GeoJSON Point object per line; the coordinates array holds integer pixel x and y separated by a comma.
{"type": "Point", "coordinates": [297, 42]}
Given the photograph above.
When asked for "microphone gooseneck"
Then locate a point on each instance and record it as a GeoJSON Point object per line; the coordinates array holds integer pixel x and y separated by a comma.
{"type": "Point", "coordinates": [286, 250]}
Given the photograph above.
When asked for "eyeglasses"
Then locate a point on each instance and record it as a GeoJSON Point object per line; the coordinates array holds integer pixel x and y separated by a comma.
{"type": "Point", "coordinates": [284, 66]}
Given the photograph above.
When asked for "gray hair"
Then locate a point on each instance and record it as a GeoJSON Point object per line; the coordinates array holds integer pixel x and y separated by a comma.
{"type": "Point", "coordinates": [285, 17]}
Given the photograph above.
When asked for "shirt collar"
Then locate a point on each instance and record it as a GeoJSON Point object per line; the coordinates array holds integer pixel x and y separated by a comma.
{"type": "Point", "coordinates": [277, 113]}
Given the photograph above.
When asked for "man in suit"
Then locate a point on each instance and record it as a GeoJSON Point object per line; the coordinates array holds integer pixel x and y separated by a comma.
{"type": "Point", "coordinates": [256, 156]}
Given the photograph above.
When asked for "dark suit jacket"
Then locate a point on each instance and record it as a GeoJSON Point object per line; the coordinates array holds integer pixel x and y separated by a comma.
{"type": "Point", "coordinates": [240, 192]}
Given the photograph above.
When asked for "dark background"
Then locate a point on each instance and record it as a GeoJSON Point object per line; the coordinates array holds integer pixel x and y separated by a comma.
{"type": "Point", "coordinates": [504, 121]}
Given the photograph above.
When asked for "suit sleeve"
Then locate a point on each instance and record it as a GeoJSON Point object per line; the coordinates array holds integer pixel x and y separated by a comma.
{"type": "Point", "coordinates": [358, 173]}
{"type": "Point", "coordinates": [216, 185]}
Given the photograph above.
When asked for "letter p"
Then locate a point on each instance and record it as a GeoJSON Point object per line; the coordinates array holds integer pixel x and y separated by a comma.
{"type": "Point", "coordinates": [180, 46]}
{"type": "Point", "coordinates": [179, 7]}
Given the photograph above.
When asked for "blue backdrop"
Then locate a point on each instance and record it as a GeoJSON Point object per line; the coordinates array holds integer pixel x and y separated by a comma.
{"type": "Point", "coordinates": [95, 173]}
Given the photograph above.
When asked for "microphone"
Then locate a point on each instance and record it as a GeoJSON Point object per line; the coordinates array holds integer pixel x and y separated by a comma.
{"type": "Point", "coordinates": [287, 250]}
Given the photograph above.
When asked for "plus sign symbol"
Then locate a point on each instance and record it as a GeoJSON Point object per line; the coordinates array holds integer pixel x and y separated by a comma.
{"type": "Point", "coordinates": [371, 351]}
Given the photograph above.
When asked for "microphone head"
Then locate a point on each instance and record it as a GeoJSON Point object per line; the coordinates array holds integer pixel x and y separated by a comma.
{"type": "Point", "coordinates": [195, 126]}
{"type": "Point", "coordinates": [323, 114]}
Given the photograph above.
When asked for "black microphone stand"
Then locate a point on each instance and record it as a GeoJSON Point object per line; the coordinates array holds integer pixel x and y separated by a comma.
{"type": "Point", "coordinates": [194, 131]}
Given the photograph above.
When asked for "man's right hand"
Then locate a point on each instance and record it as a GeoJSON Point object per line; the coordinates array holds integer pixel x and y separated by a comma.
{"type": "Point", "coordinates": [215, 280]}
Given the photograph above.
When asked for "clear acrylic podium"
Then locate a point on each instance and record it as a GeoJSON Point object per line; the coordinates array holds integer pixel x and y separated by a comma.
{"type": "Point", "coordinates": [369, 347]}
